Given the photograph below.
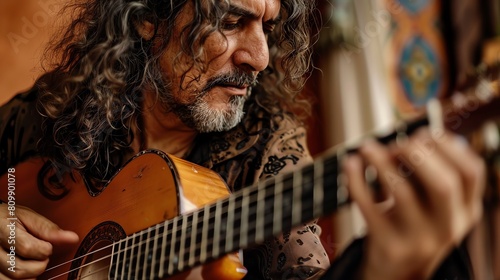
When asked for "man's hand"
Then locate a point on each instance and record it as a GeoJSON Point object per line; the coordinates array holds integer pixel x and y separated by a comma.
{"type": "Point", "coordinates": [34, 238]}
{"type": "Point", "coordinates": [437, 185]}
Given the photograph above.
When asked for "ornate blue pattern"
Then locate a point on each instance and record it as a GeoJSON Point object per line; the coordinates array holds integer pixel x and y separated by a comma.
{"type": "Point", "coordinates": [414, 6]}
{"type": "Point", "coordinates": [419, 72]}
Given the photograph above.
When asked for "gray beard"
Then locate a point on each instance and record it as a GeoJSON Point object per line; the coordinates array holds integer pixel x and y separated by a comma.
{"type": "Point", "coordinates": [201, 117]}
{"type": "Point", "coordinates": [206, 119]}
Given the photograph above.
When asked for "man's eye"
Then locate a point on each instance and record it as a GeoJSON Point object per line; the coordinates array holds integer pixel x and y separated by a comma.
{"type": "Point", "coordinates": [230, 25]}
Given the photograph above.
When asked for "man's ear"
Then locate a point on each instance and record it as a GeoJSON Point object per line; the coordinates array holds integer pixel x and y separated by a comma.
{"type": "Point", "coordinates": [145, 29]}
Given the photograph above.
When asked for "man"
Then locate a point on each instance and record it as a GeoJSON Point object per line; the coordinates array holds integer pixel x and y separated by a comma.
{"type": "Point", "coordinates": [215, 82]}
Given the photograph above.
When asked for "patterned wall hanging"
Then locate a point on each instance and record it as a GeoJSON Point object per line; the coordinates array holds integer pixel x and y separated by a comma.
{"type": "Point", "coordinates": [416, 52]}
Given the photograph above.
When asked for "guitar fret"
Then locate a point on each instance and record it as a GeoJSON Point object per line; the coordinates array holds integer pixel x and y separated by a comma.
{"type": "Point", "coordinates": [146, 255]}
{"type": "Point", "coordinates": [165, 244]}
{"type": "Point", "coordinates": [342, 194]}
{"type": "Point", "coordinates": [126, 257]}
{"type": "Point", "coordinates": [225, 226]}
{"type": "Point", "coordinates": [123, 252]}
{"type": "Point", "coordinates": [142, 252]}
{"type": "Point", "coordinates": [259, 228]}
{"type": "Point", "coordinates": [121, 259]}
{"type": "Point", "coordinates": [244, 217]}
{"type": "Point", "coordinates": [192, 246]}
{"type": "Point", "coordinates": [157, 238]}
{"type": "Point", "coordinates": [183, 240]}
{"type": "Point", "coordinates": [236, 221]}
{"type": "Point", "coordinates": [211, 231]}
{"type": "Point", "coordinates": [134, 251]}
{"type": "Point", "coordinates": [133, 255]}
{"type": "Point", "coordinates": [217, 226]}
{"type": "Point", "coordinates": [173, 258]}
{"type": "Point", "coordinates": [286, 203]}
{"type": "Point", "coordinates": [204, 235]}
{"type": "Point", "coordinates": [278, 206]}
{"type": "Point", "coordinates": [297, 198]}
{"type": "Point", "coordinates": [230, 221]}
{"type": "Point", "coordinates": [269, 210]}
{"type": "Point", "coordinates": [159, 241]}
{"type": "Point", "coordinates": [115, 257]}
{"type": "Point", "coordinates": [139, 247]}
{"type": "Point", "coordinates": [318, 194]}
{"type": "Point", "coordinates": [199, 234]}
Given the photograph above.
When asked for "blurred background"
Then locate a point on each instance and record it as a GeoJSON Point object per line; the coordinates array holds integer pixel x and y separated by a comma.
{"type": "Point", "coordinates": [25, 28]}
{"type": "Point", "coordinates": [378, 62]}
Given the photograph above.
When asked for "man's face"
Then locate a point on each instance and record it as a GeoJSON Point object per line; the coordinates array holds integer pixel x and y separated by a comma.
{"type": "Point", "coordinates": [212, 100]}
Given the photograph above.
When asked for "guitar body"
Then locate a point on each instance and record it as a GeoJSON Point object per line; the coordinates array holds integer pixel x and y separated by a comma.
{"type": "Point", "coordinates": [150, 188]}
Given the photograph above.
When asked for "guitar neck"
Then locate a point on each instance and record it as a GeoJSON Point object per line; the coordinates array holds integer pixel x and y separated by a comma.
{"type": "Point", "coordinates": [245, 218]}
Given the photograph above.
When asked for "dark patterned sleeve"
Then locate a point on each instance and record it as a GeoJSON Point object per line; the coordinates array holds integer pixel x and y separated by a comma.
{"type": "Point", "coordinates": [19, 130]}
{"type": "Point", "coordinates": [297, 254]}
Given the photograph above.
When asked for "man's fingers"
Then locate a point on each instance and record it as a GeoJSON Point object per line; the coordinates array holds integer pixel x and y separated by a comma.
{"type": "Point", "coordinates": [20, 269]}
{"type": "Point", "coordinates": [34, 239]}
{"type": "Point", "coordinates": [353, 168]}
{"type": "Point", "coordinates": [439, 180]}
{"type": "Point", "coordinates": [34, 235]}
{"type": "Point", "coordinates": [29, 247]}
{"type": "Point", "coordinates": [44, 229]}
{"type": "Point", "coordinates": [447, 173]}
{"type": "Point", "coordinates": [393, 180]}
{"type": "Point", "coordinates": [471, 167]}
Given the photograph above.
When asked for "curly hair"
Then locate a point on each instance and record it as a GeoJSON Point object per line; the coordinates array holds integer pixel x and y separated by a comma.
{"type": "Point", "coordinates": [92, 96]}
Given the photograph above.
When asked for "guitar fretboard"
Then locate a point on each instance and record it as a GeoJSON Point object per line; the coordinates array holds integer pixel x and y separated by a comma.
{"type": "Point", "coordinates": [245, 218]}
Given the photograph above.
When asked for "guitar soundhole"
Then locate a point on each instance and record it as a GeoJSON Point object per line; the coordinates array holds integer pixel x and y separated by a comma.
{"type": "Point", "coordinates": [93, 257]}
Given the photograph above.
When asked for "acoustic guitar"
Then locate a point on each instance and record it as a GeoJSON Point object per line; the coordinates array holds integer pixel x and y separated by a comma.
{"type": "Point", "coordinates": [163, 217]}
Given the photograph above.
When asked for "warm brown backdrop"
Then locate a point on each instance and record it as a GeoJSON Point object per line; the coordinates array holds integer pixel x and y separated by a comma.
{"type": "Point", "coordinates": [25, 26]}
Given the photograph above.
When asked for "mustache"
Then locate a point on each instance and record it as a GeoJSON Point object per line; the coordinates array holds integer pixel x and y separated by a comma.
{"type": "Point", "coordinates": [235, 78]}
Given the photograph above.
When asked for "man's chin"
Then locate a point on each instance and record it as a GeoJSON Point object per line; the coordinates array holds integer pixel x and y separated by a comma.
{"type": "Point", "coordinates": [218, 123]}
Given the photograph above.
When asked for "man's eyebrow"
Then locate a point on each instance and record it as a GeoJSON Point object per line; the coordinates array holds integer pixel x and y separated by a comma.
{"type": "Point", "coordinates": [239, 11]}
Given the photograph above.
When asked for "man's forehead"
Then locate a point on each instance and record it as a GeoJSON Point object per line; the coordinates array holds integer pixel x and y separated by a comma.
{"type": "Point", "coordinates": [268, 9]}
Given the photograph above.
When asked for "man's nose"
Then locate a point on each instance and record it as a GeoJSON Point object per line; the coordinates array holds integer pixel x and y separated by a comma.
{"type": "Point", "coordinates": [252, 53]}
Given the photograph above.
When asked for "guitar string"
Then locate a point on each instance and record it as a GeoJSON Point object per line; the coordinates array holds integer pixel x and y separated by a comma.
{"type": "Point", "coordinates": [253, 194]}
{"type": "Point", "coordinates": [86, 276]}
{"type": "Point", "coordinates": [96, 251]}
{"type": "Point", "coordinates": [82, 266]}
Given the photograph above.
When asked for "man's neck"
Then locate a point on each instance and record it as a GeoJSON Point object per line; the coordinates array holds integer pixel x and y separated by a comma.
{"type": "Point", "coordinates": [163, 131]}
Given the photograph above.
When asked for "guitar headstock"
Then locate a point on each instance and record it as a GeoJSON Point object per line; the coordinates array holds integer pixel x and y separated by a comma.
{"type": "Point", "coordinates": [474, 110]}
